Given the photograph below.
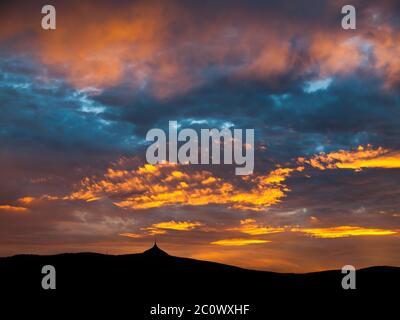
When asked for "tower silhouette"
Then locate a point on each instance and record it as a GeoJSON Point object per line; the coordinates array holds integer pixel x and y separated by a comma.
{"type": "Point", "coordinates": [155, 250]}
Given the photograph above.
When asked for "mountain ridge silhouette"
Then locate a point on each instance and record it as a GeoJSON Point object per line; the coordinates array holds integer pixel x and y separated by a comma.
{"type": "Point", "coordinates": [154, 276]}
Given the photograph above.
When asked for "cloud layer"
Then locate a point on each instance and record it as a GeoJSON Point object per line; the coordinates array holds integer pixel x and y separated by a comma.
{"type": "Point", "coordinates": [76, 104]}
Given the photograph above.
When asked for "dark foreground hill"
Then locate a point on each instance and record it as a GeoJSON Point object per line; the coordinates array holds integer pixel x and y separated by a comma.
{"type": "Point", "coordinates": [135, 283]}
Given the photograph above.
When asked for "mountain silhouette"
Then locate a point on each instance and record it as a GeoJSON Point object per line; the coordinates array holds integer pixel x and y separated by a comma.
{"type": "Point", "coordinates": [138, 281]}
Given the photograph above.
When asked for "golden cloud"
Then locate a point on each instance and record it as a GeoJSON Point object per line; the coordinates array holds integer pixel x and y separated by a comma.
{"type": "Point", "coordinates": [9, 208]}
{"type": "Point", "coordinates": [162, 227]}
{"type": "Point", "coordinates": [249, 226]}
{"type": "Point", "coordinates": [177, 225]}
{"type": "Point", "coordinates": [166, 184]}
{"type": "Point", "coordinates": [153, 231]}
{"type": "Point", "coordinates": [26, 200]}
{"type": "Point", "coordinates": [363, 157]}
{"type": "Point", "coordinates": [148, 231]}
{"type": "Point", "coordinates": [131, 235]}
{"type": "Point", "coordinates": [344, 231]}
{"type": "Point", "coordinates": [238, 242]}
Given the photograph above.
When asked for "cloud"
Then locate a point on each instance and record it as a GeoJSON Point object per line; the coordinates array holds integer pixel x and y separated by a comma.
{"type": "Point", "coordinates": [177, 225]}
{"type": "Point", "coordinates": [26, 200]}
{"type": "Point", "coordinates": [363, 157]}
{"type": "Point", "coordinates": [167, 184]}
{"type": "Point", "coordinates": [238, 242]}
{"type": "Point", "coordinates": [152, 186]}
{"type": "Point", "coordinates": [6, 207]}
{"type": "Point", "coordinates": [162, 228]}
{"type": "Point", "coordinates": [130, 235]}
{"type": "Point", "coordinates": [138, 44]}
{"type": "Point", "coordinates": [130, 66]}
{"type": "Point", "coordinates": [249, 226]}
{"type": "Point", "coordinates": [145, 232]}
{"type": "Point", "coordinates": [316, 85]}
{"type": "Point", "coordinates": [386, 45]}
{"type": "Point", "coordinates": [344, 231]}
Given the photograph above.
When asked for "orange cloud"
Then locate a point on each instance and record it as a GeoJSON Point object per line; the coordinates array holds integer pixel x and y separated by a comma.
{"type": "Point", "coordinates": [249, 226]}
{"type": "Point", "coordinates": [131, 235]}
{"type": "Point", "coordinates": [238, 242]}
{"type": "Point", "coordinates": [9, 208]}
{"type": "Point", "coordinates": [166, 184]}
{"type": "Point", "coordinates": [153, 231]}
{"type": "Point", "coordinates": [162, 227]}
{"type": "Point", "coordinates": [386, 44]}
{"type": "Point", "coordinates": [344, 231]}
{"type": "Point", "coordinates": [137, 44]}
{"type": "Point", "coordinates": [26, 200]}
{"type": "Point", "coordinates": [356, 159]}
{"type": "Point", "coordinates": [335, 54]}
{"type": "Point", "coordinates": [177, 225]}
{"type": "Point", "coordinates": [278, 175]}
{"type": "Point", "coordinates": [148, 231]}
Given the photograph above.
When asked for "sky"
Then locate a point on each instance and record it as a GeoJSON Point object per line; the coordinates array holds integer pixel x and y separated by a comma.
{"type": "Point", "coordinates": [76, 104]}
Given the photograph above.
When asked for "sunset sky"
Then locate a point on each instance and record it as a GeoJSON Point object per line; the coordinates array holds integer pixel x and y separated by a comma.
{"type": "Point", "coordinates": [76, 104]}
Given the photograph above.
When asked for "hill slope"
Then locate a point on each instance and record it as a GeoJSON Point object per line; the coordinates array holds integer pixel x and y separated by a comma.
{"type": "Point", "coordinates": [154, 277]}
